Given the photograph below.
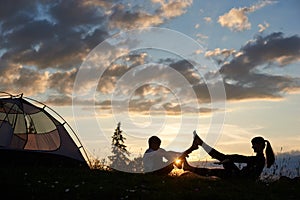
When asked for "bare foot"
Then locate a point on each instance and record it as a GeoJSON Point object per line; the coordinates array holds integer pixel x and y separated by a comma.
{"type": "Point", "coordinates": [197, 140]}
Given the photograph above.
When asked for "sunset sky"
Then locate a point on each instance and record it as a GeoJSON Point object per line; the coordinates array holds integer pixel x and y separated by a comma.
{"type": "Point", "coordinates": [251, 47]}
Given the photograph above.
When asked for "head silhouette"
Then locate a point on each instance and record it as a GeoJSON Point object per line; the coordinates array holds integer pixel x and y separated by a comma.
{"type": "Point", "coordinates": [154, 142]}
{"type": "Point", "coordinates": [259, 144]}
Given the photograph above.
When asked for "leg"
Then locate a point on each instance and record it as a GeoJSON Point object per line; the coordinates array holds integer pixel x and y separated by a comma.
{"type": "Point", "coordinates": [211, 151]}
{"type": "Point", "coordinates": [164, 171]}
{"type": "Point", "coordinates": [217, 155]}
{"type": "Point", "coordinates": [230, 170]}
{"type": "Point", "coordinates": [222, 173]}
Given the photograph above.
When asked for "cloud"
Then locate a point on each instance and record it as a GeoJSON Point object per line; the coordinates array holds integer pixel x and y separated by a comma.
{"type": "Point", "coordinates": [271, 49]}
{"type": "Point", "coordinates": [117, 69]}
{"type": "Point", "coordinates": [60, 37]}
{"type": "Point", "coordinates": [244, 76]}
{"type": "Point", "coordinates": [208, 19]}
{"type": "Point", "coordinates": [50, 39]}
{"type": "Point", "coordinates": [218, 51]}
{"type": "Point", "coordinates": [201, 38]}
{"type": "Point", "coordinates": [263, 27]}
{"type": "Point", "coordinates": [172, 8]}
{"type": "Point", "coordinates": [237, 20]}
{"type": "Point", "coordinates": [220, 55]}
{"type": "Point", "coordinates": [145, 88]}
{"type": "Point", "coordinates": [62, 81]}
{"type": "Point", "coordinates": [152, 87]}
{"type": "Point", "coordinates": [135, 16]}
{"type": "Point", "coordinates": [125, 19]}
{"type": "Point", "coordinates": [152, 90]}
{"type": "Point", "coordinates": [43, 43]}
{"type": "Point", "coordinates": [59, 100]}
{"type": "Point", "coordinates": [243, 72]}
{"type": "Point", "coordinates": [23, 80]}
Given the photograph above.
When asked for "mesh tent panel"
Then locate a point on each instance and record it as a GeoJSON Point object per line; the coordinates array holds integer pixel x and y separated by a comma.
{"type": "Point", "coordinates": [34, 129]}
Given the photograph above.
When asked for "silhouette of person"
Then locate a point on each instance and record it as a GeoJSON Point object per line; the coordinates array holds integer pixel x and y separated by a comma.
{"type": "Point", "coordinates": [157, 160]}
{"type": "Point", "coordinates": [254, 164]}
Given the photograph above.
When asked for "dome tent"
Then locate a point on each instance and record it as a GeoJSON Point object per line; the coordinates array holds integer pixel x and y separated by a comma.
{"type": "Point", "coordinates": [30, 135]}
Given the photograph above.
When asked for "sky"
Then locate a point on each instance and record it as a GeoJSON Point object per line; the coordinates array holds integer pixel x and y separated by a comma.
{"type": "Point", "coordinates": [227, 69]}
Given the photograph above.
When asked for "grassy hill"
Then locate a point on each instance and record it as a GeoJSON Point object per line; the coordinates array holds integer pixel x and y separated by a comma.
{"type": "Point", "coordinates": [66, 183]}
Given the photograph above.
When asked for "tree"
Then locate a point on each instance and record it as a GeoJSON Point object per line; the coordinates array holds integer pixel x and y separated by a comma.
{"type": "Point", "coordinates": [119, 159]}
{"type": "Point", "coordinates": [136, 165]}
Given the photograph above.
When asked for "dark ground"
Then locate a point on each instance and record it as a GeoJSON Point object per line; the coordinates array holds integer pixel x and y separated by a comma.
{"type": "Point", "coordinates": [70, 183]}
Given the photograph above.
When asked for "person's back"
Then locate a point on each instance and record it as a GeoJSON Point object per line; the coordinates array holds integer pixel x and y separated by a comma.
{"type": "Point", "coordinates": [153, 160]}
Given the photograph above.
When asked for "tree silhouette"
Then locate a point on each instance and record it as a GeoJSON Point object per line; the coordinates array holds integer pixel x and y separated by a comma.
{"type": "Point", "coordinates": [119, 158]}
{"type": "Point", "coordinates": [136, 165]}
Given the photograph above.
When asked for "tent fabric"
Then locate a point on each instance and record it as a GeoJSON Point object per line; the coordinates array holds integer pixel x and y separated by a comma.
{"type": "Point", "coordinates": [6, 133]}
{"type": "Point", "coordinates": [24, 126]}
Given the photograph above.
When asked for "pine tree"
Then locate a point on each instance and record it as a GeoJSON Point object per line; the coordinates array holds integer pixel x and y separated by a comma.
{"type": "Point", "coordinates": [119, 159]}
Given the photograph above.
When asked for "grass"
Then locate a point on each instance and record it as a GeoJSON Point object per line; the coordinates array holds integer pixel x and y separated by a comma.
{"type": "Point", "coordinates": [70, 183]}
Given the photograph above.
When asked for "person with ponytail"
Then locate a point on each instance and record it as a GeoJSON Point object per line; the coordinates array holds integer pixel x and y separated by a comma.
{"type": "Point", "coordinates": [254, 164]}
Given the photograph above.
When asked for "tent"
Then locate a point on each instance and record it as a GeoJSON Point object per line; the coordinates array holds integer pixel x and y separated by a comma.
{"type": "Point", "coordinates": [31, 135]}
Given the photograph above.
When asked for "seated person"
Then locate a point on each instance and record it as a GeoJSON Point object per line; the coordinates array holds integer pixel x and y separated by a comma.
{"type": "Point", "coordinates": [153, 158]}
{"type": "Point", "coordinates": [254, 164]}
